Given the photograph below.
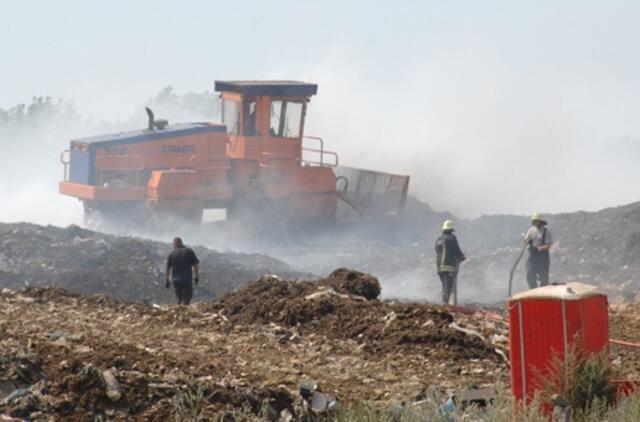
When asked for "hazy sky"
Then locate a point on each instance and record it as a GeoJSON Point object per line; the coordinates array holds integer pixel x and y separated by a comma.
{"type": "Point", "coordinates": [490, 106]}
{"type": "Point", "coordinates": [104, 54]}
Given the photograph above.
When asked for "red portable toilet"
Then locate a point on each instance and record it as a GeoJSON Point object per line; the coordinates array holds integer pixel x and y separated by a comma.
{"type": "Point", "coordinates": [549, 320]}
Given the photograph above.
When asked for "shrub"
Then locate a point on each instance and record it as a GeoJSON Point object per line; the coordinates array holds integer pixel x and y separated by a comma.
{"type": "Point", "coordinates": [581, 381]}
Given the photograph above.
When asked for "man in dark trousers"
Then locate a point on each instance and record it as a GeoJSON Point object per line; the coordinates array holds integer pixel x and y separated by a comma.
{"type": "Point", "coordinates": [181, 264]}
{"type": "Point", "coordinates": [539, 241]}
{"type": "Point", "coordinates": [448, 257]}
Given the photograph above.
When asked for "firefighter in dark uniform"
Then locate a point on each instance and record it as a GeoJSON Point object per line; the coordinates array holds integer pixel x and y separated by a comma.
{"type": "Point", "coordinates": [448, 258]}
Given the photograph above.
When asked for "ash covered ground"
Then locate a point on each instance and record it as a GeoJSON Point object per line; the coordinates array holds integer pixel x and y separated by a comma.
{"type": "Point", "coordinates": [125, 267]}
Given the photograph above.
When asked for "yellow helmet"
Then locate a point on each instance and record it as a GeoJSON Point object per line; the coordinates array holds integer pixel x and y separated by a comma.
{"type": "Point", "coordinates": [538, 216]}
{"type": "Point", "coordinates": [447, 225]}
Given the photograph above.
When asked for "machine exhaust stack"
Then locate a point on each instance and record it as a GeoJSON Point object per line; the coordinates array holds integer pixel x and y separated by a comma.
{"type": "Point", "coordinates": [153, 123]}
{"type": "Point", "coordinates": [151, 118]}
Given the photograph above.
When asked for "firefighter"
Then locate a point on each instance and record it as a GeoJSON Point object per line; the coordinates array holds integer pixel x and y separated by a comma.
{"type": "Point", "coordinates": [182, 264]}
{"type": "Point", "coordinates": [448, 258]}
{"type": "Point", "coordinates": [539, 242]}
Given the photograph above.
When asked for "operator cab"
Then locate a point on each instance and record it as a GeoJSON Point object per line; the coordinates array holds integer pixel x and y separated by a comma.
{"type": "Point", "coordinates": [265, 119]}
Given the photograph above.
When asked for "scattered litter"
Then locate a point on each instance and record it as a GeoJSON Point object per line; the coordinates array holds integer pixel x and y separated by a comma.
{"type": "Point", "coordinates": [325, 292]}
{"type": "Point", "coordinates": [7, 418]}
{"type": "Point", "coordinates": [467, 331]}
{"type": "Point", "coordinates": [499, 338]}
{"type": "Point", "coordinates": [503, 355]}
{"type": "Point", "coordinates": [323, 403]}
{"type": "Point", "coordinates": [479, 397]}
{"type": "Point", "coordinates": [306, 388]}
{"type": "Point", "coordinates": [16, 395]}
{"type": "Point", "coordinates": [111, 385]}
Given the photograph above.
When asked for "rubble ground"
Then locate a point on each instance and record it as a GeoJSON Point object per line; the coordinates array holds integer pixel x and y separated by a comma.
{"type": "Point", "coordinates": [624, 321]}
{"type": "Point", "coordinates": [125, 267]}
{"type": "Point", "coordinates": [248, 349]}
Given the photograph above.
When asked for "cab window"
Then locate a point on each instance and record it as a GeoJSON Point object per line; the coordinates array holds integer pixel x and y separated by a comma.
{"type": "Point", "coordinates": [285, 119]}
{"type": "Point", "coordinates": [231, 116]}
{"type": "Point", "coordinates": [249, 118]}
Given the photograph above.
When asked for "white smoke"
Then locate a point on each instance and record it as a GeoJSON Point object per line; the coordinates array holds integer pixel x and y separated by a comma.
{"type": "Point", "coordinates": [479, 137]}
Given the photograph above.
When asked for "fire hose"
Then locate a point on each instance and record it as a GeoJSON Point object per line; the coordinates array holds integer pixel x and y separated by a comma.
{"type": "Point", "coordinates": [513, 269]}
{"type": "Point", "coordinates": [624, 343]}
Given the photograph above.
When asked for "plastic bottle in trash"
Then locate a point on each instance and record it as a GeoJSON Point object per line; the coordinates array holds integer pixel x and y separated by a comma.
{"type": "Point", "coordinates": [448, 408]}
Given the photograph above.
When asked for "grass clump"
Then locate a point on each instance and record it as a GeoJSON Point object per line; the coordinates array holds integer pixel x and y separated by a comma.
{"type": "Point", "coordinates": [582, 382]}
{"type": "Point", "coordinates": [189, 405]}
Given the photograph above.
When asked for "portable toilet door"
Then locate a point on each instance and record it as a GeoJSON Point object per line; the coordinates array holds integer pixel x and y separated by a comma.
{"type": "Point", "coordinates": [551, 320]}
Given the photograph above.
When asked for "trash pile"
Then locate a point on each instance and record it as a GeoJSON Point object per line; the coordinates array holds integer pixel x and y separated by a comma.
{"type": "Point", "coordinates": [124, 267]}
{"type": "Point", "coordinates": [337, 308]}
{"type": "Point", "coordinates": [257, 350]}
{"type": "Point", "coordinates": [600, 248]}
{"type": "Point", "coordinates": [624, 321]}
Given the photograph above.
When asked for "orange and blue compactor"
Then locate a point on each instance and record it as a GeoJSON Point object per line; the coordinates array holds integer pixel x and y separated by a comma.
{"type": "Point", "coordinates": [256, 163]}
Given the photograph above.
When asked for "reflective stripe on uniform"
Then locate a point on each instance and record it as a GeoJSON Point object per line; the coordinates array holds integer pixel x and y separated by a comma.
{"type": "Point", "coordinates": [447, 269]}
{"type": "Point", "coordinates": [443, 268]}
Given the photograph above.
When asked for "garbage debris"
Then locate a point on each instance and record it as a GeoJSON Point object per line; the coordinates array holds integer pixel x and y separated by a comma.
{"type": "Point", "coordinates": [624, 325]}
{"type": "Point", "coordinates": [590, 250]}
{"type": "Point", "coordinates": [130, 268]}
{"type": "Point", "coordinates": [86, 357]}
{"type": "Point", "coordinates": [478, 397]}
{"type": "Point", "coordinates": [448, 408]}
{"type": "Point", "coordinates": [316, 401]}
{"type": "Point", "coordinates": [111, 385]}
{"type": "Point", "coordinates": [306, 388]}
{"type": "Point", "coordinates": [322, 403]}
{"type": "Point", "coordinates": [467, 331]}
{"type": "Point", "coordinates": [20, 392]}
{"type": "Point", "coordinates": [7, 418]}
{"type": "Point", "coordinates": [260, 347]}
{"type": "Point", "coordinates": [355, 282]}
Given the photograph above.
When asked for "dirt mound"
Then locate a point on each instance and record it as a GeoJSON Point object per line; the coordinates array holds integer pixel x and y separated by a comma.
{"type": "Point", "coordinates": [271, 299]}
{"type": "Point", "coordinates": [321, 308]}
{"type": "Point", "coordinates": [354, 282]}
{"type": "Point", "coordinates": [130, 268]}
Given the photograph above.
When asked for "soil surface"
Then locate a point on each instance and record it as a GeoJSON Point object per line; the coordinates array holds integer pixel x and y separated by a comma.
{"type": "Point", "coordinates": [251, 348]}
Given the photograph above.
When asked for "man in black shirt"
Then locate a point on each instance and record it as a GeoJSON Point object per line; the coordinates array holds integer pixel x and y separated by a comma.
{"type": "Point", "coordinates": [181, 264]}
